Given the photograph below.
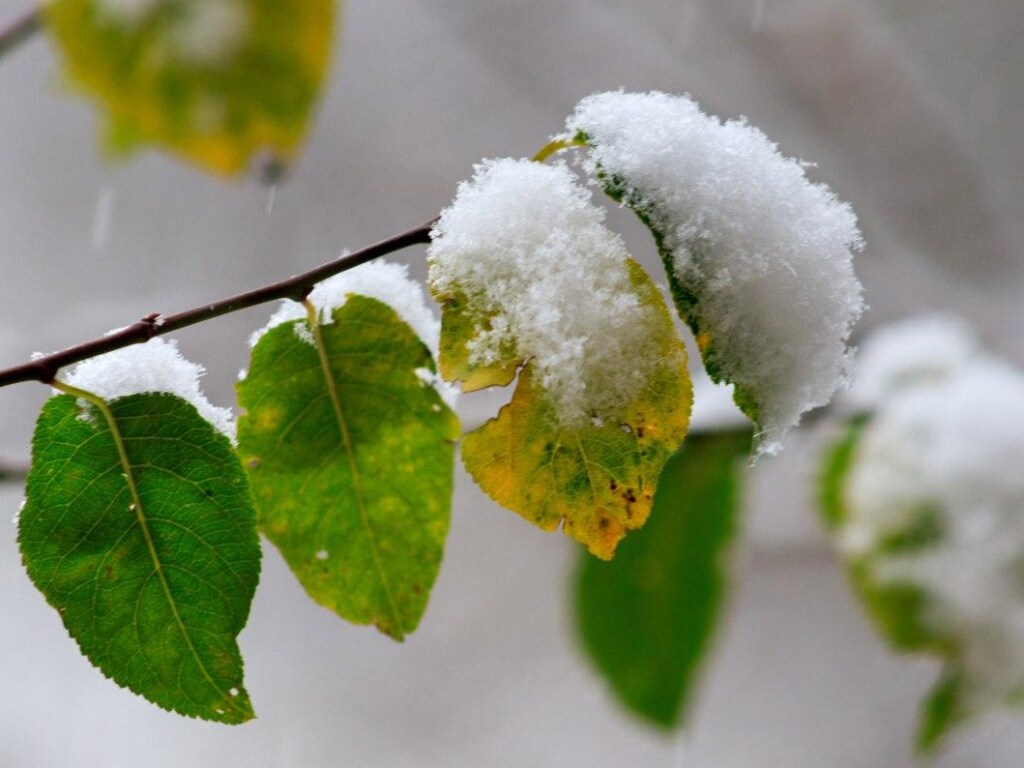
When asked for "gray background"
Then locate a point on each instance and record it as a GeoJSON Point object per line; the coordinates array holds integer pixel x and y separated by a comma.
{"type": "Point", "coordinates": [912, 108]}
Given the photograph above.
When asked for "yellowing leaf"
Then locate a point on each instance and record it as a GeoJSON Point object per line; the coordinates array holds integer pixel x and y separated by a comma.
{"type": "Point", "coordinates": [214, 81]}
{"type": "Point", "coordinates": [598, 478]}
{"type": "Point", "coordinates": [459, 324]}
{"type": "Point", "coordinates": [350, 455]}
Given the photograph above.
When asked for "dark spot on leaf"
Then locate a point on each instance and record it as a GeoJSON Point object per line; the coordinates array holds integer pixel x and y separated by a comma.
{"type": "Point", "coordinates": [254, 462]}
{"type": "Point", "coordinates": [613, 486]}
{"type": "Point", "coordinates": [639, 431]}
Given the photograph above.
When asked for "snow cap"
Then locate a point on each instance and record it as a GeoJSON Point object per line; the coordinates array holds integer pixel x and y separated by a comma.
{"type": "Point", "coordinates": [765, 253]}
{"type": "Point", "coordinates": [525, 245]}
{"type": "Point", "coordinates": [156, 366]}
{"type": "Point", "coordinates": [385, 281]}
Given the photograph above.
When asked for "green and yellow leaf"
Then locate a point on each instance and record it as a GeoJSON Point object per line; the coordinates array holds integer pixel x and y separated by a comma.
{"type": "Point", "coordinates": [213, 81]}
{"type": "Point", "coordinates": [350, 455]}
{"type": "Point", "coordinates": [150, 553]}
{"type": "Point", "coordinates": [596, 479]}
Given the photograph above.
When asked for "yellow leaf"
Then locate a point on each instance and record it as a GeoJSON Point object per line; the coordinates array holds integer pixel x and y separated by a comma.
{"type": "Point", "coordinates": [598, 478]}
{"type": "Point", "coordinates": [213, 81]}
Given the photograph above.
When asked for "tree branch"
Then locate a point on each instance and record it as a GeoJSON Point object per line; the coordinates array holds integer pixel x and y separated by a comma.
{"type": "Point", "coordinates": [44, 369]}
{"type": "Point", "coordinates": [15, 32]}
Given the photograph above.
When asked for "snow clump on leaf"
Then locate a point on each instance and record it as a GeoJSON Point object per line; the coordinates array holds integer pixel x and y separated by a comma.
{"type": "Point", "coordinates": [549, 284]}
{"type": "Point", "coordinates": [156, 366]}
{"type": "Point", "coordinates": [759, 257]}
{"type": "Point", "coordinates": [384, 281]}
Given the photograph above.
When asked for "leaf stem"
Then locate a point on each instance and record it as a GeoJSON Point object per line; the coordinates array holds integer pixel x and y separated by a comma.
{"type": "Point", "coordinates": [20, 29]}
{"type": "Point", "coordinates": [556, 146]}
{"type": "Point", "coordinates": [44, 369]}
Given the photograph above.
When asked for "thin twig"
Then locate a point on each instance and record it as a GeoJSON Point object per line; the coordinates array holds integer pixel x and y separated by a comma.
{"type": "Point", "coordinates": [44, 369]}
{"type": "Point", "coordinates": [20, 29]}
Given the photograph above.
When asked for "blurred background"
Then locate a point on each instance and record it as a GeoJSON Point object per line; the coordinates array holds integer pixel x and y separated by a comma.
{"type": "Point", "coordinates": [913, 110]}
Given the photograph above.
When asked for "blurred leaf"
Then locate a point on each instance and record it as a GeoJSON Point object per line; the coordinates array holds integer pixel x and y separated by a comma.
{"type": "Point", "coordinates": [941, 711]}
{"type": "Point", "coordinates": [152, 564]}
{"type": "Point", "coordinates": [898, 610]}
{"type": "Point", "coordinates": [647, 618]}
{"type": "Point", "coordinates": [350, 458]}
{"type": "Point", "coordinates": [215, 81]}
{"type": "Point", "coordinates": [598, 478]}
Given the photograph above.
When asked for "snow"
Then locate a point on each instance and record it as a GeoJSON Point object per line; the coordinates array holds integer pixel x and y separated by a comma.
{"type": "Point", "coordinates": [101, 219]}
{"type": "Point", "coordinates": [526, 247]}
{"type": "Point", "coordinates": [382, 280]}
{"type": "Point", "coordinates": [766, 252]}
{"type": "Point", "coordinates": [949, 447]}
{"type": "Point", "coordinates": [155, 366]}
{"type": "Point", "coordinates": [909, 353]}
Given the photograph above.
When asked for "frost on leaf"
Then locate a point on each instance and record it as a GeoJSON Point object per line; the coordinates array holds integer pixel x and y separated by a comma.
{"type": "Point", "coordinates": [531, 281]}
{"type": "Point", "coordinates": [926, 504]}
{"type": "Point", "coordinates": [349, 445]}
{"type": "Point", "coordinates": [215, 81]}
{"type": "Point", "coordinates": [759, 258]}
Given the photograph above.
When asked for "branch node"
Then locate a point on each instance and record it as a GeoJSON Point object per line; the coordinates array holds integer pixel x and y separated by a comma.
{"type": "Point", "coordinates": [150, 325]}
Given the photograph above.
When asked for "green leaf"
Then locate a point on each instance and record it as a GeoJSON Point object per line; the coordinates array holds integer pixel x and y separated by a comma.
{"type": "Point", "coordinates": [598, 478]}
{"type": "Point", "coordinates": [838, 460]}
{"type": "Point", "coordinates": [150, 555]}
{"type": "Point", "coordinates": [942, 710]}
{"type": "Point", "coordinates": [647, 618]}
{"type": "Point", "coordinates": [897, 610]}
{"type": "Point", "coordinates": [350, 455]}
{"type": "Point", "coordinates": [214, 81]}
